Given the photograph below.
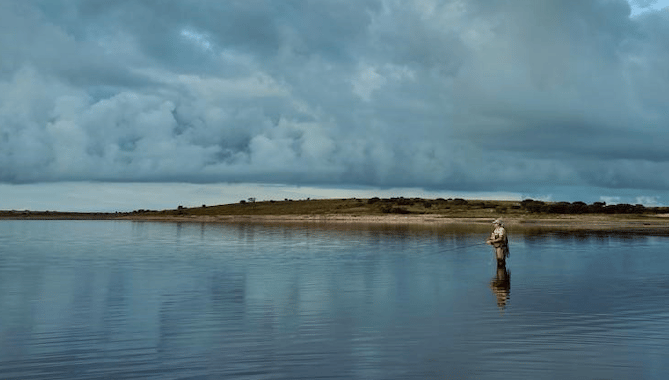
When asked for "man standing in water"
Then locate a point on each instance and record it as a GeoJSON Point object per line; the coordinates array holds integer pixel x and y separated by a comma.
{"type": "Point", "coordinates": [500, 242]}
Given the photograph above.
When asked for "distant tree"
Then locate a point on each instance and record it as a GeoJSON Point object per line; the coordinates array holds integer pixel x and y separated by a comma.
{"type": "Point", "coordinates": [403, 201]}
{"type": "Point", "coordinates": [399, 210]}
{"type": "Point", "coordinates": [532, 206]}
{"type": "Point", "coordinates": [557, 208]}
{"type": "Point", "coordinates": [613, 209]}
{"type": "Point", "coordinates": [639, 209]}
{"type": "Point", "coordinates": [578, 208]}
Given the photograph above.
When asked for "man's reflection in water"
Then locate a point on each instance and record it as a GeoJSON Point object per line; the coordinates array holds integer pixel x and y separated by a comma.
{"type": "Point", "coordinates": [501, 286]}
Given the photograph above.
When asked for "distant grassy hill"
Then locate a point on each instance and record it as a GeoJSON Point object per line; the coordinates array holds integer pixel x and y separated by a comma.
{"type": "Point", "coordinates": [354, 206]}
{"type": "Point", "coordinates": [457, 207]}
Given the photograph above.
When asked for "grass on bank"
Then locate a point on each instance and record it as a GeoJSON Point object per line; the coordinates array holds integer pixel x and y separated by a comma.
{"type": "Point", "coordinates": [354, 206]}
{"type": "Point", "coordinates": [457, 207]}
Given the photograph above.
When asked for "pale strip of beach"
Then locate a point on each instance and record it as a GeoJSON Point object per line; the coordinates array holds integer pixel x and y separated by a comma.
{"type": "Point", "coordinates": [656, 223]}
{"type": "Point", "coordinates": [652, 224]}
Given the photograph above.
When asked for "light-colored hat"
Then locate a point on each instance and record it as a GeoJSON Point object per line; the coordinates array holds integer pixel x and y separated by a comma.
{"type": "Point", "coordinates": [498, 221]}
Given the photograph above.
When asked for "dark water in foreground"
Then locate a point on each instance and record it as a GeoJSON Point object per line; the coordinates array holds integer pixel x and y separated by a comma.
{"type": "Point", "coordinates": [121, 300]}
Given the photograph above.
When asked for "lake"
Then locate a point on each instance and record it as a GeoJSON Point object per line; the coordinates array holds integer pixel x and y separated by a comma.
{"type": "Point", "coordinates": [126, 300]}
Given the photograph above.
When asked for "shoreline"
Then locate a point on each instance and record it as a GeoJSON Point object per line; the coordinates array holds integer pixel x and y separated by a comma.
{"type": "Point", "coordinates": [570, 223]}
{"type": "Point", "coordinates": [417, 213]}
{"type": "Point", "coordinates": [649, 224]}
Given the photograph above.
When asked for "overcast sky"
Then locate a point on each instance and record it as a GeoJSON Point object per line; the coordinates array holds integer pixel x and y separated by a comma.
{"type": "Point", "coordinates": [549, 99]}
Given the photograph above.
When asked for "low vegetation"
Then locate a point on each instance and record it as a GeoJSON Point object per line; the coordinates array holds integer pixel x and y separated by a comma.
{"type": "Point", "coordinates": [457, 207]}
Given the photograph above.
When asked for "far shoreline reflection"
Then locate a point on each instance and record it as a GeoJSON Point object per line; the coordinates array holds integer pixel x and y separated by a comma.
{"type": "Point", "coordinates": [501, 286]}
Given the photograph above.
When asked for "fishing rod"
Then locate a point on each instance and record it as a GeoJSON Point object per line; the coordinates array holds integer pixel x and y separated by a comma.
{"type": "Point", "coordinates": [462, 246]}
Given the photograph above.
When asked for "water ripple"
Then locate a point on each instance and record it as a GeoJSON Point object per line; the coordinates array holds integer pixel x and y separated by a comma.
{"type": "Point", "coordinates": [91, 300]}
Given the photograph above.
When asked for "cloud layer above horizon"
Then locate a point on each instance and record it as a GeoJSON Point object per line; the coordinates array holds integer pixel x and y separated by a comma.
{"type": "Point", "coordinates": [471, 95]}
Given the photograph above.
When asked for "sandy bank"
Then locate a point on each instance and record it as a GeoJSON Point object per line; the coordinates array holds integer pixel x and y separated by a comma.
{"type": "Point", "coordinates": [584, 223]}
{"type": "Point", "coordinates": [652, 224]}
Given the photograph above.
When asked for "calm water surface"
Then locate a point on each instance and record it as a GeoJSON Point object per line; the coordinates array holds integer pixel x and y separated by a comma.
{"type": "Point", "coordinates": [122, 300]}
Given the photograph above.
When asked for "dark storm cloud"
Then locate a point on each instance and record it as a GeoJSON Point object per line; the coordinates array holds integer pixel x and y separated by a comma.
{"type": "Point", "coordinates": [438, 94]}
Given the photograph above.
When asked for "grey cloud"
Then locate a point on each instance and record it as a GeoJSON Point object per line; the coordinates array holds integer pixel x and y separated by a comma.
{"type": "Point", "coordinates": [437, 94]}
{"type": "Point", "coordinates": [644, 3]}
{"type": "Point", "coordinates": [28, 40]}
{"type": "Point", "coordinates": [625, 174]}
{"type": "Point", "coordinates": [261, 28]}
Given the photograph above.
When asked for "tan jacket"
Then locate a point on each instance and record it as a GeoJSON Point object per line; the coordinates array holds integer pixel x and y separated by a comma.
{"type": "Point", "coordinates": [498, 238]}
